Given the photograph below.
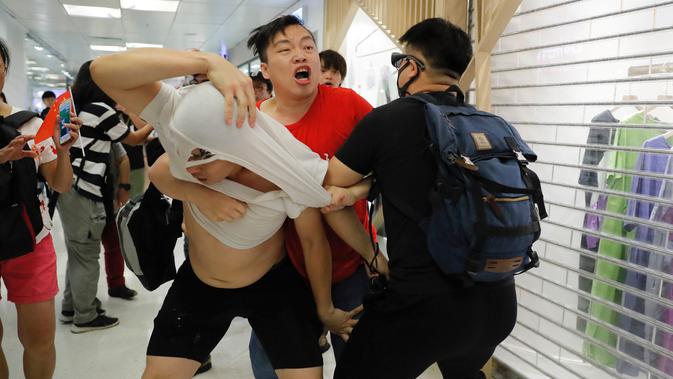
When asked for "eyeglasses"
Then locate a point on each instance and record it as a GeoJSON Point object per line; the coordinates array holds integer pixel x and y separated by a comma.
{"type": "Point", "coordinates": [397, 60]}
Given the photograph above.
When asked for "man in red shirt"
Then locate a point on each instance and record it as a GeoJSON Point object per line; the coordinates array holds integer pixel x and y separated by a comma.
{"type": "Point", "coordinates": [321, 117]}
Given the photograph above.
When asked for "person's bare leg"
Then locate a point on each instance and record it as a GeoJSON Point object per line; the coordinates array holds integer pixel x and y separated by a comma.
{"type": "Point", "coordinates": [4, 370]}
{"type": "Point", "coordinates": [36, 328]}
{"type": "Point", "coordinates": [169, 368]}
{"type": "Point", "coordinates": [300, 373]}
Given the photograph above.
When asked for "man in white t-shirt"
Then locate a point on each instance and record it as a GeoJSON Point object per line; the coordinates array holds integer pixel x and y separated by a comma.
{"type": "Point", "coordinates": [235, 268]}
{"type": "Point", "coordinates": [31, 278]}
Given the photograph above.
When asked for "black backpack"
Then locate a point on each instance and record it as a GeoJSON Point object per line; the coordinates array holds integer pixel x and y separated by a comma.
{"type": "Point", "coordinates": [149, 225]}
{"type": "Point", "coordinates": [20, 215]}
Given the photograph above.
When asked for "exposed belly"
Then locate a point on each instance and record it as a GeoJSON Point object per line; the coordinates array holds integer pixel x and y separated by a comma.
{"type": "Point", "coordinates": [221, 266]}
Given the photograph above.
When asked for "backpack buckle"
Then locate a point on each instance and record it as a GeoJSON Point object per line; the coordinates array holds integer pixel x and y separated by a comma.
{"type": "Point", "coordinates": [516, 150]}
{"type": "Point", "coordinates": [520, 157]}
{"type": "Point", "coordinates": [466, 163]}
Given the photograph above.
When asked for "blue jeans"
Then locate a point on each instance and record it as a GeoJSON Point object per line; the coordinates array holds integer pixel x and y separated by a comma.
{"type": "Point", "coordinates": [346, 295]}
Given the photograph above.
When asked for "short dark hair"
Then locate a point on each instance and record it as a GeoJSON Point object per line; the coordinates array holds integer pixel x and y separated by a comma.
{"type": "Point", "coordinates": [4, 98]}
{"type": "Point", "coordinates": [330, 59]}
{"type": "Point", "coordinates": [261, 79]}
{"type": "Point", "coordinates": [443, 44]}
{"type": "Point", "coordinates": [261, 37]}
{"type": "Point", "coordinates": [4, 53]}
{"type": "Point", "coordinates": [48, 94]}
{"type": "Point", "coordinates": [86, 91]}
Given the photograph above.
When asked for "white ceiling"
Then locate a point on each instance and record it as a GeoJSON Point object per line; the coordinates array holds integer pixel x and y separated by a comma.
{"type": "Point", "coordinates": [202, 24]}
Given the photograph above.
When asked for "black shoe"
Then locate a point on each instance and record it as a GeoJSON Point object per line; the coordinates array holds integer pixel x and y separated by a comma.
{"type": "Point", "coordinates": [122, 292]}
{"type": "Point", "coordinates": [66, 317]}
{"type": "Point", "coordinates": [205, 366]}
{"type": "Point", "coordinates": [100, 322]}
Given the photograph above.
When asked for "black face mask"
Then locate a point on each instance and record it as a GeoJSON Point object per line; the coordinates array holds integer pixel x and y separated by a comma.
{"type": "Point", "coordinates": [403, 91]}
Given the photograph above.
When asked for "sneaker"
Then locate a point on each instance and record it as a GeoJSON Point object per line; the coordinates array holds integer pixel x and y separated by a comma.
{"type": "Point", "coordinates": [122, 292]}
{"type": "Point", "coordinates": [66, 317]}
{"type": "Point", "coordinates": [205, 366]}
{"type": "Point", "coordinates": [100, 322]}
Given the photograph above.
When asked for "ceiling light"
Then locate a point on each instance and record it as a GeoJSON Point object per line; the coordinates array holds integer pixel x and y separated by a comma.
{"type": "Point", "coordinates": [87, 11]}
{"type": "Point", "coordinates": [38, 69]}
{"type": "Point", "coordinates": [62, 64]}
{"type": "Point", "coordinates": [66, 73]}
{"type": "Point", "coordinates": [107, 48]}
{"type": "Point", "coordinates": [150, 5]}
{"type": "Point", "coordinates": [38, 48]}
{"type": "Point", "coordinates": [30, 62]}
{"type": "Point", "coordinates": [49, 56]}
{"type": "Point", "coordinates": [136, 45]}
{"type": "Point", "coordinates": [53, 76]}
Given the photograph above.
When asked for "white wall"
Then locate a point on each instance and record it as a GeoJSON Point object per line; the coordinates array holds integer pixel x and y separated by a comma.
{"type": "Point", "coordinates": [538, 336]}
{"type": "Point", "coordinates": [367, 50]}
{"type": "Point", "coordinates": [16, 84]}
{"type": "Point", "coordinates": [313, 19]}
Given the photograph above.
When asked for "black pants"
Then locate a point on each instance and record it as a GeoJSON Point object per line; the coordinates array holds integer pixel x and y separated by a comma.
{"type": "Point", "coordinates": [401, 335]}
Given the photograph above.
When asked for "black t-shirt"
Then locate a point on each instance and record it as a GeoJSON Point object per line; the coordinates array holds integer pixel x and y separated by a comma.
{"type": "Point", "coordinates": [391, 142]}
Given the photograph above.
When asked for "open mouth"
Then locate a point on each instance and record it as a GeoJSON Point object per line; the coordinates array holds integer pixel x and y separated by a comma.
{"type": "Point", "coordinates": [303, 75]}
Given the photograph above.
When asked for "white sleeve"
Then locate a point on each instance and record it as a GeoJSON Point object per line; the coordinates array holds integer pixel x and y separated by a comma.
{"type": "Point", "coordinates": [268, 149]}
{"type": "Point", "coordinates": [160, 110]}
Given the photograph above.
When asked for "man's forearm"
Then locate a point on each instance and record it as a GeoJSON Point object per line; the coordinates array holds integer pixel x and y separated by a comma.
{"type": "Point", "coordinates": [318, 262]}
{"type": "Point", "coordinates": [346, 224]}
{"type": "Point", "coordinates": [139, 136]}
{"type": "Point", "coordinates": [162, 178]}
{"type": "Point", "coordinates": [138, 122]}
{"type": "Point", "coordinates": [63, 175]}
{"type": "Point", "coordinates": [124, 166]}
{"type": "Point", "coordinates": [139, 67]}
{"type": "Point", "coordinates": [361, 190]}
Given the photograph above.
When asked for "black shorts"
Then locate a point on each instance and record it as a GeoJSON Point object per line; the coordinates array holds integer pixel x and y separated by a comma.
{"type": "Point", "coordinates": [195, 316]}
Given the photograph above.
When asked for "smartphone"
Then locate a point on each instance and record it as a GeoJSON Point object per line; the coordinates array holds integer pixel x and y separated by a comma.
{"type": "Point", "coordinates": [64, 113]}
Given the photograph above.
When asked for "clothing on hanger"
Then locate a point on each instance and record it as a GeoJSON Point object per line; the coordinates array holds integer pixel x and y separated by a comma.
{"type": "Point", "coordinates": [663, 263]}
{"type": "Point", "coordinates": [592, 157]}
{"type": "Point", "coordinates": [622, 160]}
{"type": "Point", "coordinates": [648, 186]}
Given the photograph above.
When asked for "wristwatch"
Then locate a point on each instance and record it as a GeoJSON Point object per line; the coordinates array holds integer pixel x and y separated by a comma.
{"type": "Point", "coordinates": [125, 186]}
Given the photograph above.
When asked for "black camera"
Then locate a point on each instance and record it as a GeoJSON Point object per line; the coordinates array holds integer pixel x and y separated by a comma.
{"type": "Point", "coordinates": [378, 283]}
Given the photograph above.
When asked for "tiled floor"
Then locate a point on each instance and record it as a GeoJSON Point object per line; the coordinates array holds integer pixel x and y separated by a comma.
{"type": "Point", "coordinates": [119, 353]}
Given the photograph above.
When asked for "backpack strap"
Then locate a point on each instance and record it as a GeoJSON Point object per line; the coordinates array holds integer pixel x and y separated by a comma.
{"type": "Point", "coordinates": [426, 98]}
{"type": "Point", "coordinates": [529, 176]}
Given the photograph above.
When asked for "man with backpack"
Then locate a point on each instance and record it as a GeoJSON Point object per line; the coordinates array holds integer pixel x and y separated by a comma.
{"type": "Point", "coordinates": [450, 220]}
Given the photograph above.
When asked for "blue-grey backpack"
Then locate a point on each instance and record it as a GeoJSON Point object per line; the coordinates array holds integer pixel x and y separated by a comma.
{"type": "Point", "coordinates": [486, 203]}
